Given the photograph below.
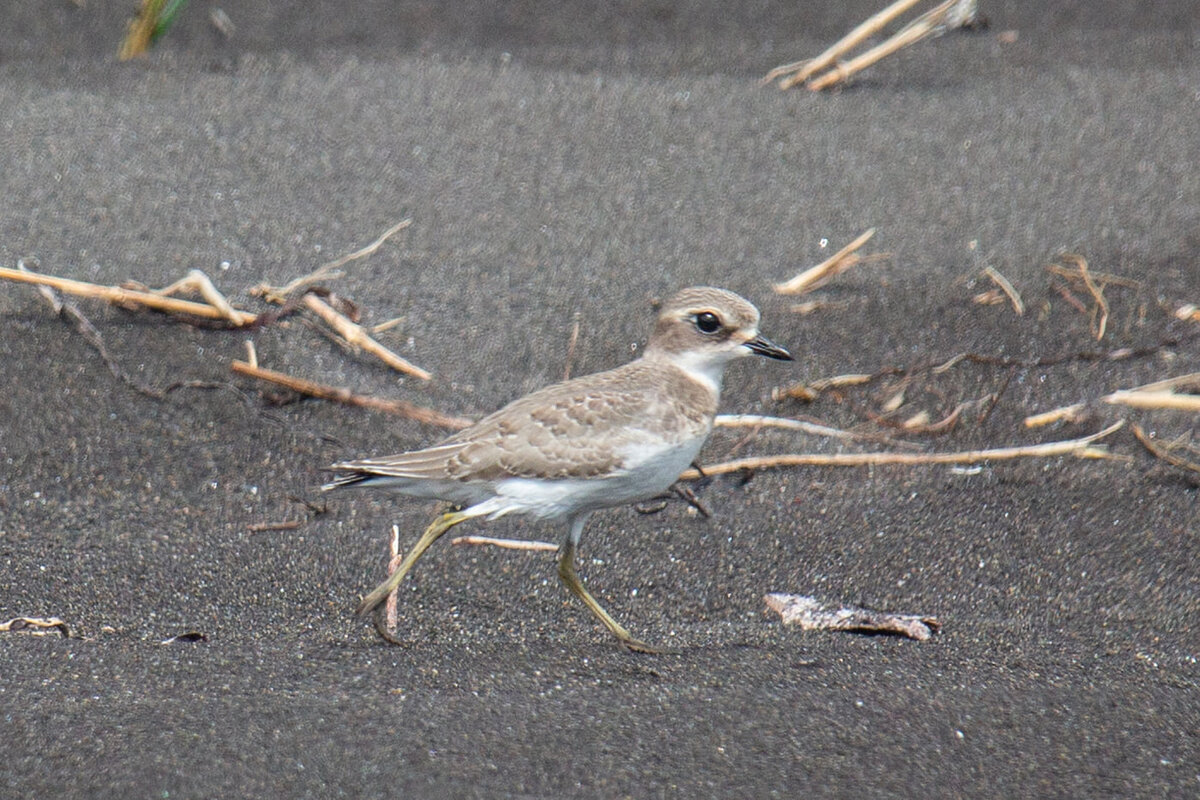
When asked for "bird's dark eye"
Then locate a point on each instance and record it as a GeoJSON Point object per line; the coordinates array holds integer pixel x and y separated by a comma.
{"type": "Point", "coordinates": [708, 322]}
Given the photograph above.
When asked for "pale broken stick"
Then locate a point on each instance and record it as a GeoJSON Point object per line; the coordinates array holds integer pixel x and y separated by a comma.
{"type": "Point", "coordinates": [1188, 312]}
{"type": "Point", "coordinates": [121, 296]}
{"type": "Point", "coordinates": [1164, 452]}
{"type": "Point", "coordinates": [840, 261]}
{"type": "Point", "coordinates": [950, 14]}
{"type": "Point", "coordinates": [337, 394]}
{"type": "Point", "coordinates": [507, 544]}
{"type": "Point", "coordinates": [813, 615]}
{"type": "Point", "coordinates": [328, 271]}
{"type": "Point", "coordinates": [197, 281]}
{"type": "Point", "coordinates": [1171, 400]}
{"type": "Point", "coordinates": [813, 428]}
{"type": "Point", "coordinates": [1159, 394]}
{"type": "Point", "coordinates": [800, 71]}
{"type": "Point", "coordinates": [1081, 448]}
{"type": "Point", "coordinates": [356, 336]}
{"type": "Point", "coordinates": [387, 623]}
{"type": "Point", "coordinates": [1006, 286]}
{"type": "Point", "coordinates": [391, 608]}
{"type": "Point", "coordinates": [807, 392]}
{"type": "Point", "coordinates": [37, 626]}
{"type": "Point", "coordinates": [1082, 272]}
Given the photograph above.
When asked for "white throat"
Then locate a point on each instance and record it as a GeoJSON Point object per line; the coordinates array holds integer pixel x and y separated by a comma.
{"type": "Point", "coordinates": [705, 367]}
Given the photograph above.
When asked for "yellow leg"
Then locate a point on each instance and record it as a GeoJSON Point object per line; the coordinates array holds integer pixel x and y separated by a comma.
{"type": "Point", "coordinates": [570, 579]}
{"type": "Point", "coordinates": [440, 525]}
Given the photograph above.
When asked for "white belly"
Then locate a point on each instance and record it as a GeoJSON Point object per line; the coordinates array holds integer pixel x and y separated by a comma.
{"type": "Point", "coordinates": [649, 471]}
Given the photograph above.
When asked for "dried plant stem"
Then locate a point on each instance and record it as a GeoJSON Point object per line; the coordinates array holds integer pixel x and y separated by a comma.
{"type": "Point", "coordinates": [787, 423]}
{"type": "Point", "coordinates": [801, 71]}
{"type": "Point", "coordinates": [197, 281]}
{"type": "Point", "coordinates": [356, 336]}
{"type": "Point", "coordinates": [121, 296]}
{"type": "Point", "coordinates": [1071, 413]}
{"type": "Point", "coordinates": [572, 341]}
{"type": "Point", "coordinates": [1143, 399]}
{"type": "Point", "coordinates": [1077, 447]}
{"type": "Point", "coordinates": [391, 607]}
{"type": "Point", "coordinates": [508, 544]}
{"type": "Point", "coordinates": [1164, 453]}
{"type": "Point", "coordinates": [326, 271]}
{"type": "Point", "coordinates": [840, 261]}
{"type": "Point", "coordinates": [1006, 286]}
{"type": "Point", "coordinates": [339, 395]}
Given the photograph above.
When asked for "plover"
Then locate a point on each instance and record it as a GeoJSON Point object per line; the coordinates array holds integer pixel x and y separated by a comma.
{"type": "Point", "coordinates": [575, 447]}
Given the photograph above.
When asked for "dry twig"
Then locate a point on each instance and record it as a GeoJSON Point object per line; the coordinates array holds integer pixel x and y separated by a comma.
{"type": "Point", "coordinates": [391, 607]}
{"type": "Point", "coordinates": [337, 394]}
{"type": "Point", "coordinates": [1013, 295]}
{"type": "Point", "coordinates": [840, 261]}
{"type": "Point", "coordinates": [807, 392]}
{"type": "Point", "coordinates": [356, 337]}
{"type": "Point", "coordinates": [126, 297]}
{"type": "Point", "coordinates": [947, 15]}
{"type": "Point", "coordinates": [571, 342]}
{"type": "Point", "coordinates": [787, 423]}
{"type": "Point", "coordinates": [1143, 399]}
{"type": "Point", "coordinates": [1072, 413]}
{"type": "Point", "coordinates": [1164, 453]}
{"type": "Point", "coordinates": [1081, 448]}
{"type": "Point", "coordinates": [197, 281]}
{"type": "Point", "coordinates": [286, 525]}
{"type": "Point", "coordinates": [507, 544]}
{"type": "Point", "coordinates": [327, 271]}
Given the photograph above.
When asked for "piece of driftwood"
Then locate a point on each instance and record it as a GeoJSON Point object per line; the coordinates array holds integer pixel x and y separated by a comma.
{"type": "Point", "coordinates": [37, 626]}
{"type": "Point", "coordinates": [1083, 447]}
{"type": "Point", "coordinates": [507, 544]}
{"type": "Point", "coordinates": [340, 395]}
{"type": "Point", "coordinates": [813, 615]}
{"type": "Point", "coordinates": [358, 338]}
{"type": "Point", "coordinates": [840, 261]}
{"type": "Point", "coordinates": [827, 70]}
{"type": "Point", "coordinates": [127, 297]}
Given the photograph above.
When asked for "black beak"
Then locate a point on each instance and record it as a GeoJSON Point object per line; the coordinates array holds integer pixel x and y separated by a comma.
{"type": "Point", "coordinates": [762, 346]}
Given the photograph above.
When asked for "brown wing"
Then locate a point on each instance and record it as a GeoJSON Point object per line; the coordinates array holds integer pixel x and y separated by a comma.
{"type": "Point", "coordinates": [575, 429]}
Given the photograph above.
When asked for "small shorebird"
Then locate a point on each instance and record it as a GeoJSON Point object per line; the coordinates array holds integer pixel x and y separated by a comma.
{"type": "Point", "coordinates": [594, 442]}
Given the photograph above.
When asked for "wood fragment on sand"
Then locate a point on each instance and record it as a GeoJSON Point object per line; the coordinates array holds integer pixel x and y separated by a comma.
{"type": "Point", "coordinates": [1009, 290]}
{"type": "Point", "coordinates": [948, 15]}
{"type": "Point", "coordinates": [285, 525]}
{"type": "Point", "coordinates": [358, 338]}
{"type": "Point", "coordinates": [1163, 452]}
{"type": "Point", "coordinates": [507, 544]}
{"type": "Point", "coordinates": [1083, 447]}
{"type": "Point", "coordinates": [839, 262]}
{"type": "Point", "coordinates": [800, 71]}
{"type": "Point", "coordinates": [1076, 412]}
{"type": "Point", "coordinates": [1166, 400]}
{"type": "Point", "coordinates": [36, 626]}
{"type": "Point", "coordinates": [197, 281]}
{"type": "Point", "coordinates": [788, 423]}
{"type": "Point", "coordinates": [813, 615]}
{"type": "Point", "coordinates": [127, 297]}
{"type": "Point", "coordinates": [338, 394]}
{"type": "Point", "coordinates": [327, 271]}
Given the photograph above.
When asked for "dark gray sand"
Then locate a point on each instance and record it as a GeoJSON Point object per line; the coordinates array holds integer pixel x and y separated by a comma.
{"type": "Point", "coordinates": [576, 161]}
